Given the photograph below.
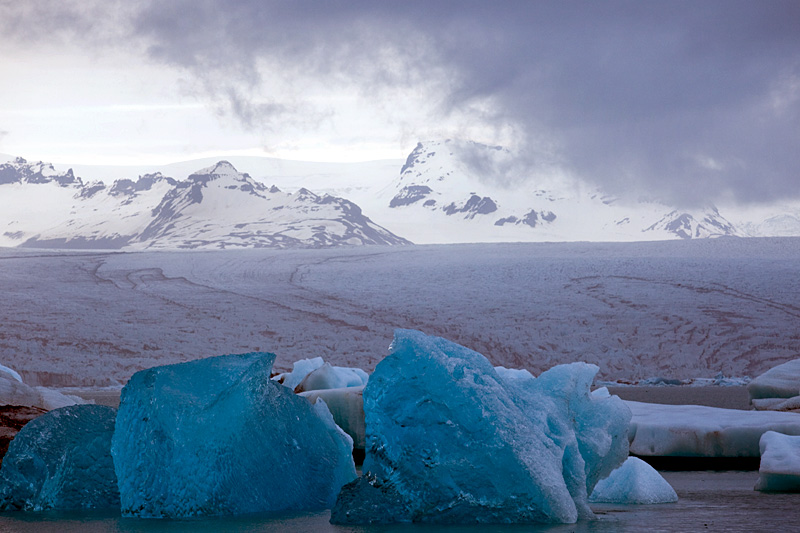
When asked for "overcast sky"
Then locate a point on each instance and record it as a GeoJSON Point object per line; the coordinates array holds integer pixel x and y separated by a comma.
{"type": "Point", "coordinates": [695, 101]}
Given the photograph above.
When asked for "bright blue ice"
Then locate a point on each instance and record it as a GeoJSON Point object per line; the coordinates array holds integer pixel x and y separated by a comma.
{"type": "Point", "coordinates": [635, 482]}
{"type": "Point", "coordinates": [217, 437]}
{"type": "Point", "coordinates": [61, 460]}
{"type": "Point", "coordinates": [451, 441]}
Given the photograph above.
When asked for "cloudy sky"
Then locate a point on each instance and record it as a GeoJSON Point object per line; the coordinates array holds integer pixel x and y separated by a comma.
{"type": "Point", "coordinates": [695, 101]}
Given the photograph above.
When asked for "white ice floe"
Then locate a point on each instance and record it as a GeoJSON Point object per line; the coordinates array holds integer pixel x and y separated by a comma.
{"type": "Point", "coordinates": [14, 392]}
{"type": "Point", "coordinates": [300, 369]}
{"type": "Point", "coordinates": [780, 463]}
{"type": "Point", "coordinates": [332, 377]}
{"type": "Point", "coordinates": [782, 381]}
{"type": "Point", "coordinates": [635, 482]}
{"type": "Point", "coordinates": [347, 407]}
{"type": "Point", "coordinates": [700, 431]}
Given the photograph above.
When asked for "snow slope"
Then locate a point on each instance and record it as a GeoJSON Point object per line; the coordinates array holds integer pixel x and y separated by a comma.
{"type": "Point", "coordinates": [214, 207]}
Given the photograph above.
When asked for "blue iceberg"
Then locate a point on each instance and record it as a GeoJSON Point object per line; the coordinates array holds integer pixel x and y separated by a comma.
{"type": "Point", "coordinates": [218, 437]}
{"type": "Point", "coordinates": [635, 482]}
{"type": "Point", "coordinates": [448, 440]}
{"type": "Point", "coordinates": [61, 460]}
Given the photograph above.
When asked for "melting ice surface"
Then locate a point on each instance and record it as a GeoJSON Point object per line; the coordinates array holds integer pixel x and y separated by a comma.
{"type": "Point", "coordinates": [451, 441]}
{"type": "Point", "coordinates": [61, 460]}
{"type": "Point", "coordinates": [217, 437]}
{"type": "Point", "coordinates": [634, 482]}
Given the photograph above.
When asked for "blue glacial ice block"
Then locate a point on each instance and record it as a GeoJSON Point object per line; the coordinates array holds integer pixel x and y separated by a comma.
{"type": "Point", "coordinates": [62, 460]}
{"type": "Point", "coordinates": [217, 437]}
{"type": "Point", "coordinates": [635, 482]}
{"type": "Point", "coordinates": [450, 441]}
{"type": "Point", "coordinates": [592, 429]}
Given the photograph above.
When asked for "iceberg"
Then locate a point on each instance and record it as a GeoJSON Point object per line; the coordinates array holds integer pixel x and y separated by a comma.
{"type": "Point", "coordinates": [780, 463]}
{"type": "Point", "coordinates": [782, 381]}
{"type": "Point", "coordinates": [347, 407]}
{"type": "Point", "coordinates": [332, 377]}
{"type": "Point", "coordinates": [61, 460]}
{"type": "Point", "coordinates": [448, 440]}
{"type": "Point", "coordinates": [635, 482]}
{"type": "Point", "coordinates": [217, 437]}
{"type": "Point", "coordinates": [300, 369]}
{"type": "Point", "coordinates": [14, 392]}
{"type": "Point", "coordinates": [700, 431]}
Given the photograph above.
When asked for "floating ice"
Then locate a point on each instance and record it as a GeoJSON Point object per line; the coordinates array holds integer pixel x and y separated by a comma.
{"type": "Point", "coordinates": [700, 431]}
{"type": "Point", "coordinates": [61, 460]}
{"type": "Point", "coordinates": [332, 377]}
{"type": "Point", "coordinates": [782, 381]}
{"type": "Point", "coordinates": [217, 437]}
{"type": "Point", "coordinates": [300, 369]}
{"type": "Point", "coordinates": [780, 463]}
{"type": "Point", "coordinates": [14, 392]}
{"type": "Point", "coordinates": [347, 407]}
{"type": "Point", "coordinates": [450, 441]}
{"type": "Point", "coordinates": [635, 482]}
{"type": "Point", "coordinates": [777, 404]}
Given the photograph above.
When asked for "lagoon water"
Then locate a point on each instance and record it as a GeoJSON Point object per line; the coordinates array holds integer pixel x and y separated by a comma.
{"type": "Point", "coordinates": [708, 501]}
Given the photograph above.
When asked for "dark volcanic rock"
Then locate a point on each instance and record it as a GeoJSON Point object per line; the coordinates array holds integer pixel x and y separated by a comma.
{"type": "Point", "coordinates": [12, 418]}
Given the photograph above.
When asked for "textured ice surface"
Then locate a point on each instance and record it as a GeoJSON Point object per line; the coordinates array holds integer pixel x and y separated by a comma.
{"type": "Point", "coordinates": [780, 463]}
{"type": "Point", "coordinates": [347, 407]}
{"type": "Point", "coordinates": [62, 460]}
{"type": "Point", "coordinates": [450, 441]}
{"type": "Point", "coordinates": [217, 437]}
{"type": "Point", "coordinates": [634, 482]}
{"type": "Point", "coordinates": [776, 404]}
{"type": "Point", "coordinates": [700, 431]}
{"type": "Point", "coordinates": [782, 381]}
{"type": "Point", "coordinates": [332, 377]}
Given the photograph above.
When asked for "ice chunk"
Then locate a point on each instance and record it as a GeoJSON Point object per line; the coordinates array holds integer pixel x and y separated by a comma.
{"type": "Point", "coordinates": [14, 392]}
{"type": "Point", "coordinates": [512, 373]}
{"type": "Point", "coordinates": [10, 372]}
{"type": "Point", "coordinates": [450, 441]}
{"type": "Point", "coordinates": [217, 437]}
{"type": "Point", "coordinates": [347, 407]}
{"type": "Point", "coordinates": [634, 482]}
{"type": "Point", "coordinates": [61, 460]}
{"type": "Point", "coordinates": [700, 431]}
{"type": "Point", "coordinates": [777, 404]}
{"type": "Point", "coordinates": [300, 369]}
{"type": "Point", "coordinates": [780, 463]}
{"type": "Point", "coordinates": [782, 381]}
{"type": "Point", "coordinates": [332, 377]}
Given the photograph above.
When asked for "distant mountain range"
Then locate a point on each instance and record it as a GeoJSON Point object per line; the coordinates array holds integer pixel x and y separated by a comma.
{"type": "Point", "coordinates": [445, 192]}
{"type": "Point", "coordinates": [216, 207]}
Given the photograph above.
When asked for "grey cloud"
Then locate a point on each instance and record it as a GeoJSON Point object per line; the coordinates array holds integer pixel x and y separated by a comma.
{"type": "Point", "coordinates": [688, 100]}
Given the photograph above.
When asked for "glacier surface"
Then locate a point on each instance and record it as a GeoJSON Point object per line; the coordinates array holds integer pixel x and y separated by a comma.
{"type": "Point", "coordinates": [216, 436]}
{"type": "Point", "coordinates": [451, 441]}
{"type": "Point", "coordinates": [780, 463]}
{"type": "Point", "coordinates": [61, 460]}
{"type": "Point", "coordinates": [635, 482]}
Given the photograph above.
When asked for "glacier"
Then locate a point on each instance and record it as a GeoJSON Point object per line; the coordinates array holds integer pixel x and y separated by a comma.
{"type": "Point", "coordinates": [635, 482]}
{"type": "Point", "coordinates": [62, 460]}
{"type": "Point", "coordinates": [448, 440]}
{"type": "Point", "coordinates": [217, 437]}
{"type": "Point", "coordinates": [780, 463]}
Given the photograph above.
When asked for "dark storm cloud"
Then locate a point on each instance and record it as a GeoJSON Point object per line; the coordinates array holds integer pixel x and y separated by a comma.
{"type": "Point", "coordinates": [689, 100]}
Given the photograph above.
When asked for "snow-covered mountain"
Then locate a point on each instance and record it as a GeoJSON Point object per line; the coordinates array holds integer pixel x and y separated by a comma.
{"type": "Point", "coordinates": [472, 192]}
{"type": "Point", "coordinates": [446, 191]}
{"type": "Point", "coordinates": [216, 207]}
